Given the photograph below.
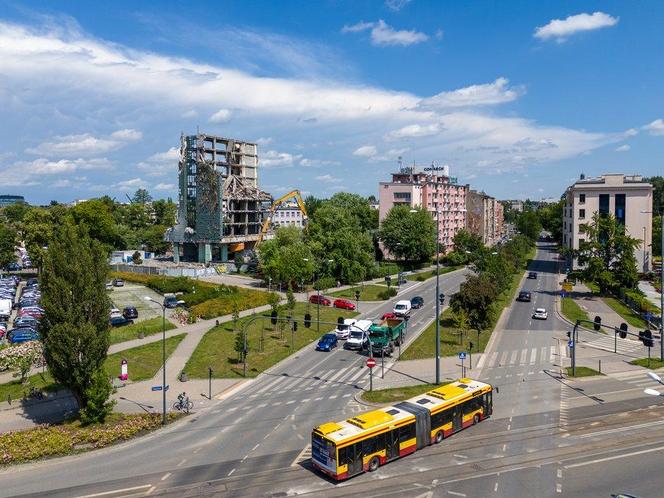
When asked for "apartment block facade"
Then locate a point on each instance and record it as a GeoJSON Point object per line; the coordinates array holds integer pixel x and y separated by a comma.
{"type": "Point", "coordinates": [628, 198]}
{"type": "Point", "coordinates": [434, 190]}
{"type": "Point", "coordinates": [484, 216]}
{"type": "Point", "coordinates": [288, 214]}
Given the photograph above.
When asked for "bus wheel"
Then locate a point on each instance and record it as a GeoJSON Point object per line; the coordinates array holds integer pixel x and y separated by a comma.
{"type": "Point", "coordinates": [439, 437]}
{"type": "Point", "coordinates": [476, 418]}
{"type": "Point", "coordinates": [373, 464]}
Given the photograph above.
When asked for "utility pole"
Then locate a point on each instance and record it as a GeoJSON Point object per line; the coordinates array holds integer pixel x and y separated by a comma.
{"type": "Point", "coordinates": [661, 276]}
{"type": "Point", "coordinates": [437, 297]}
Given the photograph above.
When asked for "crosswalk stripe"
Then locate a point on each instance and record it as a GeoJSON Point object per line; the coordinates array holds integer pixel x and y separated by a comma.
{"type": "Point", "coordinates": [552, 356]}
{"type": "Point", "coordinates": [269, 384]}
{"type": "Point", "coordinates": [362, 372]}
{"type": "Point", "coordinates": [338, 374]}
{"type": "Point", "coordinates": [513, 358]}
{"type": "Point", "coordinates": [523, 357]}
{"type": "Point", "coordinates": [492, 361]}
{"type": "Point", "coordinates": [533, 355]}
{"type": "Point", "coordinates": [544, 357]}
{"type": "Point", "coordinates": [354, 374]}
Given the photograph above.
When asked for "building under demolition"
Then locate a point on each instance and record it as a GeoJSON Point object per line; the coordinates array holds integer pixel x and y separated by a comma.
{"type": "Point", "coordinates": [221, 208]}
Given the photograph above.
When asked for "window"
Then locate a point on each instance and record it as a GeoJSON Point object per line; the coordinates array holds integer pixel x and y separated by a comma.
{"type": "Point", "coordinates": [402, 195]}
{"type": "Point", "coordinates": [406, 432]}
{"type": "Point", "coordinates": [620, 208]}
{"type": "Point", "coordinates": [582, 214]}
{"type": "Point", "coordinates": [604, 204]}
{"type": "Point", "coordinates": [582, 198]}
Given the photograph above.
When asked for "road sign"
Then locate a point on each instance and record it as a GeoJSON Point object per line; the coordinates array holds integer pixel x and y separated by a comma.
{"type": "Point", "coordinates": [462, 356]}
{"type": "Point", "coordinates": [570, 344]}
{"type": "Point", "coordinates": [156, 388]}
{"type": "Point", "coordinates": [371, 362]}
{"type": "Point", "coordinates": [567, 287]}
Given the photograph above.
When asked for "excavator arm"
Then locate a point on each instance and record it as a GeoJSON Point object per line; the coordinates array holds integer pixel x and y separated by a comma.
{"type": "Point", "coordinates": [268, 220]}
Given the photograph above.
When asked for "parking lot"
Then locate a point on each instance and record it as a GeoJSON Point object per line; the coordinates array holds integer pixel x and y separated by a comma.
{"type": "Point", "coordinates": [132, 294]}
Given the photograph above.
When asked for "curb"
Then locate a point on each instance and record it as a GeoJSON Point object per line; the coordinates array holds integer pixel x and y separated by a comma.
{"type": "Point", "coordinates": [359, 400]}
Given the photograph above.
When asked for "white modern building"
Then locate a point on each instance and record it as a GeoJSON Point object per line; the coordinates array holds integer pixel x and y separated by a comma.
{"type": "Point", "coordinates": [288, 214]}
{"type": "Point", "coordinates": [627, 197]}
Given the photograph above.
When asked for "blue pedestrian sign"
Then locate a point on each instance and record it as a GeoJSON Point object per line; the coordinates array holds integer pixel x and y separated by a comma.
{"type": "Point", "coordinates": [156, 388]}
{"type": "Point", "coordinates": [462, 356]}
{"type": "Point", "coordinates": [570, 344]}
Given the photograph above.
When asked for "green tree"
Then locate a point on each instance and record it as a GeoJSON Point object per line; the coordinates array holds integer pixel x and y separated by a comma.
{"type": "Point", "coordinates": [528, 224]}
{"type": "Point", "coordinates": [551, 218]}
{"type": "Point", "coordinates": [136, 258]}
{"type": "Point", "coordinates": [7, 245]}
{"type": "Point", "coordinates": [15, 212]}
{"type": "Point", "coordinates": [164, 212]}
{"type": "Point", "coordinates": [607, 254]}
{"type": "Point", "coordinates": [467, 245]}
{"type": "Point", "coordinates": [97, 215]}
{"type": "Point", "coordinates": [411, 236]}
{"type": "Point", "coordinates": [97, 404]}
{"type": "Point", "coordinates": [311, 204]}
{"type": "Point", "coordinates": [75, 328]}
{"type": "Point", "coordinates": [154, 240]}
{"type": "Point", "coordinates": [357, 207]}
{"type": "Point", "coordinates": [283, 258]}
{"type": "Point", "coordinates": [476, 296]}
{"type": "Point", "coordinates": [141, 196]}
{"type": "Point", "coordinates": [460, 320]}
{"type": "Point", "coordinates": [290, 298]}
{"type": "Point", "coordinates": [657, 236]}
{"type": "Point", "coordinates": [238, 346]}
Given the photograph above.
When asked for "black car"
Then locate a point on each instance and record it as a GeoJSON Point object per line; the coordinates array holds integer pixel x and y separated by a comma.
{"type": "Point", "coordinates": [524, 296]}
{"type": "Point", "coordinates": [120, 321]}
{"type": "Point", "coordinates": [417, 302]}
{"type": "Point", "coordinates": [26, 321]}
{"type": "Point", "coordinates": [532, 274]}
{"type": "Point", "coordinates": [171, 302]}
{"type": "Point", "coordinates": [130, 312]}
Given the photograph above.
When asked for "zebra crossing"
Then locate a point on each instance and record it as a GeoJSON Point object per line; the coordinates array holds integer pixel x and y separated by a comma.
{"type": "Point", "coordinates": [519, 357]}
{"type": "Point", "coordinates": [312, 380]}
{"type": "Point", "coordinates": [638, 379]}
{"type": "Point", "coordinates": [608, 343]}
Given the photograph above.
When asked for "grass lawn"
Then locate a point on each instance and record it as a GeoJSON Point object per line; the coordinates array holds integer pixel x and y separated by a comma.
{"type": "Point", "coordinates": [367, 293]}
{"type": "Point", "coordinates": [148, 327]}
{"type": "Point", "coordinates": [643, 362]}
{"type": "Point", "coordinates": [15, 389]}
{"type": "Point", "coordinates": [395, 394]}
{"type": "Point", "coordinates": [216, 349]}
{"type": "Point", "coordinates": [144, 361]}
{"type": "Point", "coordinates": [572, 311]}
{"type": "Point", "coordinates": [450, 342]}
{"type": "Point", "coordinates": [425, 275]}
{"type": "Point", "coordinates": [626, 313]}
{"type": "Point", "coordinates": [583, 372]}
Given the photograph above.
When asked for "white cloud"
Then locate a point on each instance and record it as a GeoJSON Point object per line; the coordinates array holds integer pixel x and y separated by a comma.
{"type": "Point", "coordinates": [76, 145]}
{"type": "Point", "coordinates": [396, 5]}
{"type": "Point", "coordinates": [623, 148]}
{"type": "Point", "coordinates": [365, 151]}
{"type": "Point", "coordinates": [161, 163]}
{"type": "Point", "coordinates": [656, 127]}
{"type": "Point", "coordinates": [221, 116]}
{"type": "Point", "coordinates": [165, 186]}
{"type": "Point", "coordinates": [561, 29]}
{"type": "Point", "coordinates": [128, 185]}
{"type": "Point", "coordinates": [390, 155]}
{"type": "Point", "coordinates": [191, 113]}
{"type": "Point", "coordinates": [382, 34]}
{"type": "Point", "coordinates": [127, 134]}
{"type": "Point", "coordinates": [64, 183]}
{"type": "Point", "coordinates": [25, 173]}
{"type": "Point", "coordinates": [631, 132]}
{"type": "Point", "coordinates": [485, 94]}
{"type": "Point", "coordinates": [415, 130]}
{"type": "Point", "coordinates": [306, 162]}
{"type": "Point", "coordinates": [439, 34]}
{"type": "Point", "coordinates": [328, 179]}
{"type": "Point", "coordinates": [272, 158]}
{"type": "Point", "coordinates": [264, 141]}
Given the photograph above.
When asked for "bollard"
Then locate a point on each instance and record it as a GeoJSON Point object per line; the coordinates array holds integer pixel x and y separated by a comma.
{"type": "Point", "coordinates": [600, 366]}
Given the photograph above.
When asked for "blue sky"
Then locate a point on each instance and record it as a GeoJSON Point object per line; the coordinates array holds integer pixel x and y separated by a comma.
{"type": "Point", "coordinates": [518, 97]}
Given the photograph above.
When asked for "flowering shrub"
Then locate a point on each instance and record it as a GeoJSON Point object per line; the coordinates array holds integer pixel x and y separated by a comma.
{"type": "Point", "coordinates": [55, 440]}
{"type": "Point", "coordinates": [22, 357]}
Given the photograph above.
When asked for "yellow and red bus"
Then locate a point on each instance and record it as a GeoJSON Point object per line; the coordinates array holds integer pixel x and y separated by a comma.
{"type": "Point", "coordinates": [369, 440]}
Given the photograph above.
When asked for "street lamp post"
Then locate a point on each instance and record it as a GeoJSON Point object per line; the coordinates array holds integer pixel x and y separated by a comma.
{"type": "Point", "coordinates": [318, 294]}
{"type": "Point", "coordinates": [163, 358]}
{"type": "Point", "coordinates": [661, 294]}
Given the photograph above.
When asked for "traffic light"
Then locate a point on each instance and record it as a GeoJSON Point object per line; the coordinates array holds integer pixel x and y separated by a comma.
{"type": "Point", "coordinates": [294, 326]}
{"type": "Point", "coordinates": [441, 298]}
{"type": "Point", "coordinates": [273, 317]}
{"type": "Point", "coordinates": [623, 331]}
{"type": "Point", "coordinates": [470, 344]}
{"type": "Point", "coordinates": [646, 337]}
{"type": "Point", "coordinates": [598, 323]}
{"type": "Point", "coordinates": [307, 320]}
{"type": "Point", "coordinates": [340, 320]}
{"type": "Point", "coordinates": [569, 334]}
{"type": "Point", "coordinates": [357, 295]}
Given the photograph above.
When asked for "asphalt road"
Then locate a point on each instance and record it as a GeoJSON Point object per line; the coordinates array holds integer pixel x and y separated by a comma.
{"type": "Point", "coordinates": [264, 426]}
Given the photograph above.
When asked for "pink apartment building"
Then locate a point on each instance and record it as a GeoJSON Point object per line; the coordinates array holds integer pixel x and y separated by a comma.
{"type": "Point", "coordinates": [433, 190]}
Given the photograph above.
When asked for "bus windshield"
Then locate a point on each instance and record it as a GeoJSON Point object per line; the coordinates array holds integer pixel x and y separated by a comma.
{"type": "Point", "coordinates": [323, 451]}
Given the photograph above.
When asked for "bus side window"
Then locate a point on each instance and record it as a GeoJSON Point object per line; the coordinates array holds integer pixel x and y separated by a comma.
{"type": "Point", "coordinates": [343, 456]}
{"type": "Point", "coordinates": [406, 432]}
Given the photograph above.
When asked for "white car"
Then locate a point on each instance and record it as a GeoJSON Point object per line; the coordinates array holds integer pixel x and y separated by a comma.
{"type": "Point", "coordinates": [343, 329]}
{"type": "Point", "coordinates": [402, 308]}
{"type": "Point", "coordinates": [540, 314]}
{"type": "Point", "coordinates": [358, 337]}
{"type": "Point", "coordinates": [115, 312]}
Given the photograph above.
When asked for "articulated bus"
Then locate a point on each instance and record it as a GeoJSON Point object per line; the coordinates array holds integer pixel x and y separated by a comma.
{"type": "Point", "coordinates": [366, 441]}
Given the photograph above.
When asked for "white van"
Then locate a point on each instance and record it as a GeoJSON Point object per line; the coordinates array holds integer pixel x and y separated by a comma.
{"type": "Point", "coordinates": [342, 329]}
{"type": "Point", "coordinates": [358, 336]}
{"type": "Point", "coordinates": [5, 309]}
{"type": "Point", "coordinates": [402, 308]}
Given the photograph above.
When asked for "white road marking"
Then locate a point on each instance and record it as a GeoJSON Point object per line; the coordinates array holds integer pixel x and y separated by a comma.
{"type": "Point", "coordinates": [455, 493]}
{"type": "Point", "coordinates": [165, 476]}
{"type": "Point", "coordinates": [181, 462]}
{"type": "Point", "coordinates": [495, 487]}
{"type": "Point", "coordinates": [346, 395]}
{"type": "Point", "coordinates": [616, 457]}
{"type": "Point", "coordinates": [523, 357]}
{"type": "Point", "coordinates": [560, 473]}
{"type": "Point", "coordinates": [559, 488]}
{"type": "Point", "coordinates": [290, 402]}
{"type": "Point", "coordinates": [533, 355]}
{"type": "Point", "coordinates": [460, 456]}
{"type": "Point", "coordinates": [231, 472]}
{"type": "Point", "coordinates": [254, 448]}
{"type": "Point", "coordinates": [116, 491]}
{"type": "Point", "coordinates": [149, 491]}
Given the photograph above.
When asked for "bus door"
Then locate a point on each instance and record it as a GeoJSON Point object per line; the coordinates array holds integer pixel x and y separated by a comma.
{"type": "Point", "coordinates": [456, 418]}
{"type": "Point", "coordinates": [487, 404]}
{"type": "Point", "coordinates": [392, 444]}
{"type": "Point", "coordinates": [354, 456]}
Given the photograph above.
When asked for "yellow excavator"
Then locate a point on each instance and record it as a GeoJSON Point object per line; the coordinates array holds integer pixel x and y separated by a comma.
{"type": "Point", "coordinates": [294, 194]}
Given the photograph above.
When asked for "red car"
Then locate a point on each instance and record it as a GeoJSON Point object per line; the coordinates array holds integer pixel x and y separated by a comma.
{"type": "Point", "coordinates": [389, 316]}
{"type": "Point", "coordinates": [344, 304]}
{"type": "Point", "coordinates": [322, 300]}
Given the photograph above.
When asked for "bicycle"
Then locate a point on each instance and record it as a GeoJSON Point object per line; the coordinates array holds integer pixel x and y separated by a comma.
{"type": "Point", "coordinates": [183, 403]}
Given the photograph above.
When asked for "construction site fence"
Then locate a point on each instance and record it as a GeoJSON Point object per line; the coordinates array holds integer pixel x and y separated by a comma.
{"type": "Point", "coordinates": [173, 272]}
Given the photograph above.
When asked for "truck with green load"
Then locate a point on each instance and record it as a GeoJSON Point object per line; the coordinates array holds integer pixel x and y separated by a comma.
{"type": "Point", "coordinates": [386, 334]}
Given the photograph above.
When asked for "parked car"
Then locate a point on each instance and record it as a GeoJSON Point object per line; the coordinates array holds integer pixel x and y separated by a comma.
{"type": "Point", "coordinates": [322, 300]}
{"type": "Point", "coordinates": [109, 286]}
{"type": "Point", "coordinates": [120, 321]}
{"type": "Point", "coordinates": [402, 308]}
{"type": "Point", "coordinates": [344, 304]}
{"type": "Point", "coordinates": [16, 336]}
{"type": "Point", "coordinates": [417, 302]}
{"type": "Point", "coordinates": [343, 329]}
{"type": "Point", "coordinates": [115, 312]}
{"type": "Point", "coordinates": [524, 296]}
{"type": "Point", "coordinates": [118, 282]}
{"type": "Point", "coordinates": [14, 267]}
{"type": "Point", "coordinates": [327, 342]}
{"type": "Point", "coordinates": [171, 301]}
{"type": "Point", "coordinates": [26, 321]}
{"type": "Point", "coordinates": [532, 275]}
{"type": "Point", "coordinates": [130, 312]}
{"type": "Point", "coordinates": [540, 314]}
{"type": "Point", "coordinates": [33, 311]}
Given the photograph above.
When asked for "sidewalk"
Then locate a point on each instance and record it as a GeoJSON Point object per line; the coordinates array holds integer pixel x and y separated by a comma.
{"type": "Point", "coordinates": [651, 293]}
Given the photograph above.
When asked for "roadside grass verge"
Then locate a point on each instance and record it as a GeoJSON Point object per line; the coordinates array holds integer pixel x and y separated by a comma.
{"type": "Point", "coordinates": [217, 348]}
{"type": "Point", "coordinates": [582, 372]}
{"type": "Point", "coordinates": [626, 313]}
{"type": "Point", "coordinates": [426, 275]}
{"type": "Point", "coordinates": [367, 293]}
{"type": "Point", "coordinates": [148, 327]}
{"type": "Point", "coordinates": [143, 361]}
{"type": "Point", "coordinates": [572, 311]}
{"type": "Point", "coordinates": [15, 389]}
{"type": "Point", "coordinates": [643, 362]}
{"type": "Point", "coordinates": [72, 437]}
{"type": "Point", "coordinates": [395, 394]}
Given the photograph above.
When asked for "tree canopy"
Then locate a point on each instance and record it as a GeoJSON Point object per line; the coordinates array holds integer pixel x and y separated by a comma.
{"type": "Point", "coordinates": [410, 236]}
{"type": "Point", "coordinates": [283, 258]}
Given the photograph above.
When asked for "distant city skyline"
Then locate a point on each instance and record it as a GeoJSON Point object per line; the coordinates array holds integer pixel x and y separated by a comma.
{"type": "Point", "coordinates": [518, 99]}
